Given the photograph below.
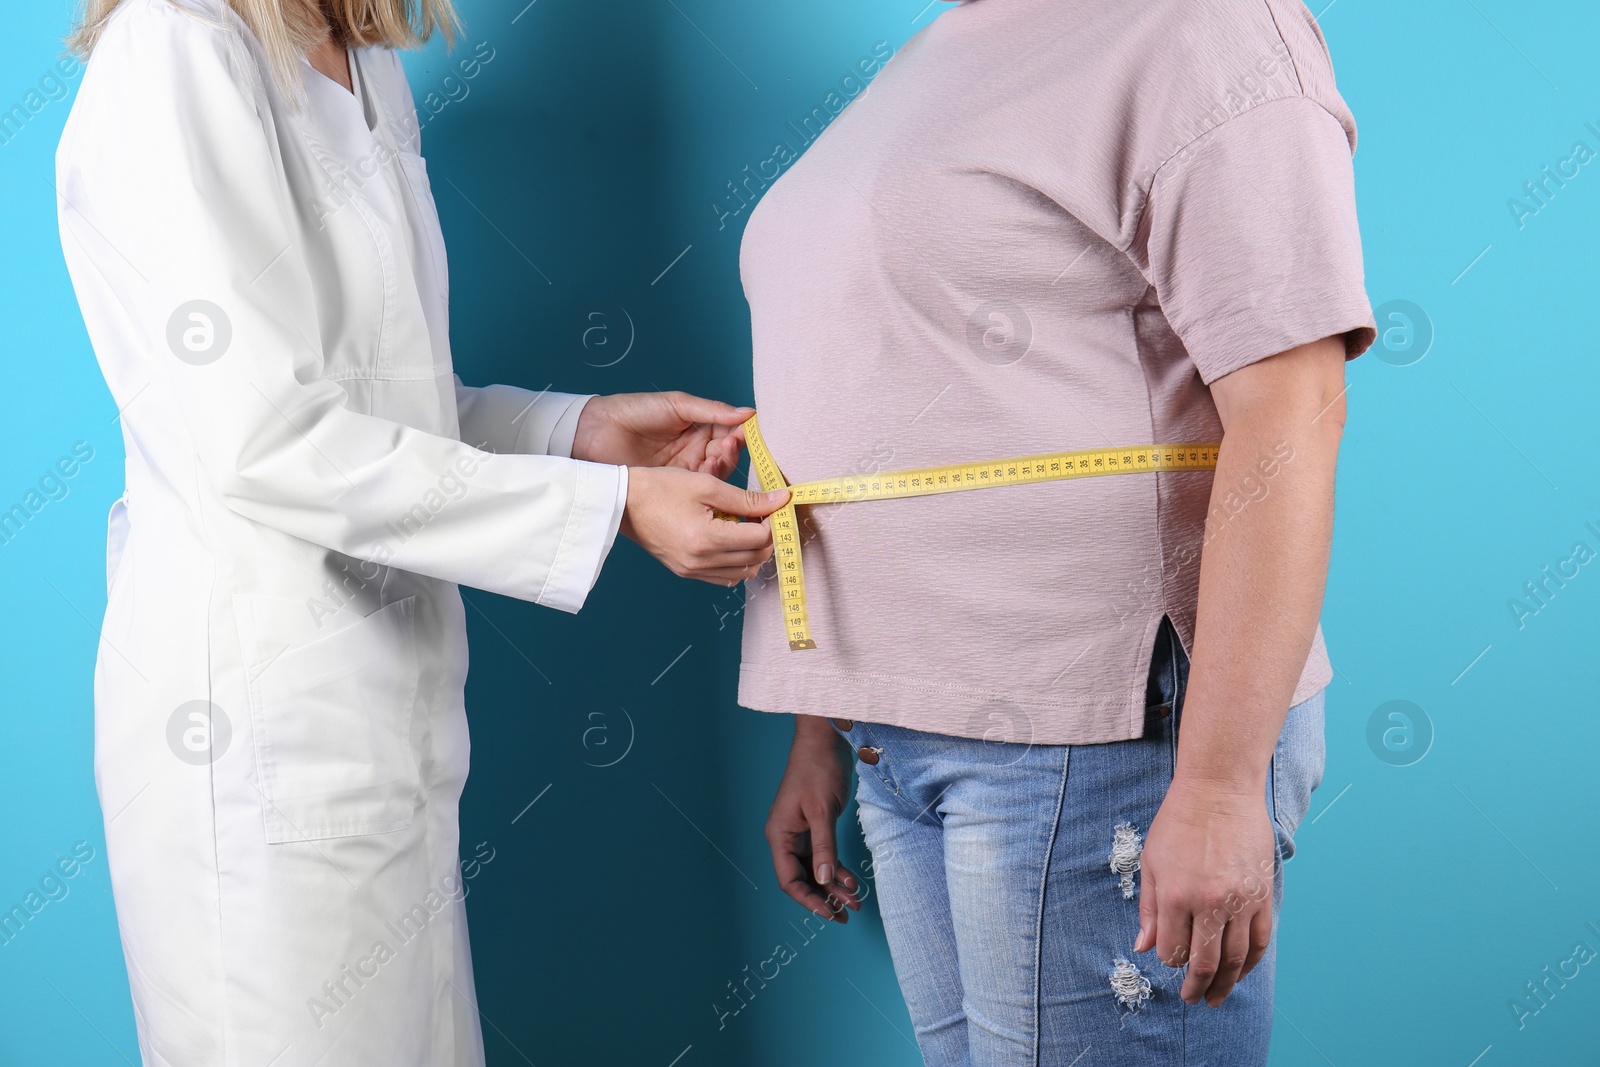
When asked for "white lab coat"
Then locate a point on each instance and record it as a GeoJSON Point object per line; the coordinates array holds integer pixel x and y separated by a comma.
{"type": "Point", "coordinates": [300, 508]}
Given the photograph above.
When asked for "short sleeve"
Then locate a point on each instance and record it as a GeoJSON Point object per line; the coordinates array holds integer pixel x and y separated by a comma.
{"type": "Point", "coordinates": [1251, 237]}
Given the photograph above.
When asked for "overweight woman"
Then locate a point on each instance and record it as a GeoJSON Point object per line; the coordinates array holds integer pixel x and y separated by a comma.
{"type": "Point", "coordinates": [280, 736]}
{"type": "Point", "coordinates": [1086, 716]}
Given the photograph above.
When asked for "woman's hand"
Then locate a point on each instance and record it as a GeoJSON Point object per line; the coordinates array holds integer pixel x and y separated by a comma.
{"type": "Point", "coordinates": [800, 827]}
{"type": "Point", "coordinates": [661, 430]}
{"type": "Point", "coordinates": [1205, 886]}
{"type": "Point", "coordinates": [671, 513]}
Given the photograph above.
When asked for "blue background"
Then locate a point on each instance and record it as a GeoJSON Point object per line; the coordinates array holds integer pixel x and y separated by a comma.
{"type": "Point", "coordinates": [570, 171]}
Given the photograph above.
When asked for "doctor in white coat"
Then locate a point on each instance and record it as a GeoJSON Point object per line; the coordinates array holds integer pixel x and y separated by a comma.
{"type": "Point", "coordinates": [280, 736]}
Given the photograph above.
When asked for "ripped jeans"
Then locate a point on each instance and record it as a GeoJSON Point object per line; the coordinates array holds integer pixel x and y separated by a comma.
{"type": "Point", "coordinates": [992, 864]}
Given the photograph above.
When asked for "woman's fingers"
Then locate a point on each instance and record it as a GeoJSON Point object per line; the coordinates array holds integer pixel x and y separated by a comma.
{"type": "Point", "coordinates": [1204, 953]}
{"type": "Point", "coordinates": [1174, 926]}
{"type": "Point", "coordinates": [1235, 949]}
{"type": "Point", "coordinates": [794, 862]}
{"type": "Point", "coordinates": [790, 862]}
{"type": "Point", "coordinates": [824, 853]}
{"type": "Point", "coordinates": [1226, 941]}
{"type": "Point", "coordinates": [1215, 946]}
{"type": "Point", "coordinates": [1147, 910]}
{"type": "Point", "coordinates": [846, 888]}
{"type": "Point", "coordinates": [1260, 938]}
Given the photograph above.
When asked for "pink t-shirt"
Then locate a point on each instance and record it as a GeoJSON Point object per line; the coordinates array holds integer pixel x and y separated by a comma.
{"type": "Point", "coordinates": [1045, 226]}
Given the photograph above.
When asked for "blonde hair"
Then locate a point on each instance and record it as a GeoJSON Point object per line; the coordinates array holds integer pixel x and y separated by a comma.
{"type": "Point", "coordinates": [289, 29]}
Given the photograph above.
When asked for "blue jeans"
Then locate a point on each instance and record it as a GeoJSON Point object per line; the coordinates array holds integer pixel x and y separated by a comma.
{"type": "Point", "coordinates": [1003, 913]}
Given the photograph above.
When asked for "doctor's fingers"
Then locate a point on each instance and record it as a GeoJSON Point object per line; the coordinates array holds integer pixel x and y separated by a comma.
{"type": "Point", "coordinates": [732, 544]}
{"type": "Point", "coordinates": [750, 503]}
{"type": "Point", "coordinates": [728, 576]}
{"type": "Point", "coordinates": [722, 456]}
{"type": "Point", "coordinates": [744, 564]}
{"type": "Point", "coordinates": [730, 446]}
{"type": "Point", "coordinates": [691, 409]}
{"type": "Point", "coordinates": [730, 551]}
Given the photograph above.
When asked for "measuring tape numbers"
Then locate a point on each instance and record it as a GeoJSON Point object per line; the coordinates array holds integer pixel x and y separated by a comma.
{"type": "Point", "coordinates": [929, 481]}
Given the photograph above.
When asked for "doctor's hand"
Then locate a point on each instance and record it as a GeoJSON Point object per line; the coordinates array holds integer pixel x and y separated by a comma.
{"type": "Point", "coordinates": [805, 813]}
{"type": "Point", "coordinates": [661, 430]}
{"type": "Point", "coordinates": [671, 513]}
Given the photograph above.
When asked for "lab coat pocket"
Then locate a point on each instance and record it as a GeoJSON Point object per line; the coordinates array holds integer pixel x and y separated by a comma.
{"type": "Point", "coordinates": [331, 717]}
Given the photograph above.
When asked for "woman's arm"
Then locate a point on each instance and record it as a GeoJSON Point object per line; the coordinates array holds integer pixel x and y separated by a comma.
{"type": "Point", "coordinates": [1207, 870]}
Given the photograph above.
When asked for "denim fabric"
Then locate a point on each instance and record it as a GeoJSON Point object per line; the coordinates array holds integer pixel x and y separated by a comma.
{"type": "Point", "coordinates": [991, 863]}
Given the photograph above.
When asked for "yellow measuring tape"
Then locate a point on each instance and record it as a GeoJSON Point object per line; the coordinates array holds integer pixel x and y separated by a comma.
{"type": "Point", "coordinates": [927, 481]}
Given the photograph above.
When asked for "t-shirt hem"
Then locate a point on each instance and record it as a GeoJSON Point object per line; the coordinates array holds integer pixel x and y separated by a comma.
{"type": "Point", "coordinates": [983, 714]}
{"type": "Point", "coordinates": [1316, 677]}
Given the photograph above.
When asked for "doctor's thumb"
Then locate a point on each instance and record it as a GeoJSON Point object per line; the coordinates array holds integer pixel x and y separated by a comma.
{"type": "Point", "coordinates": [698, 409]}
{"type": "Point", "coordinates": [750, 503]}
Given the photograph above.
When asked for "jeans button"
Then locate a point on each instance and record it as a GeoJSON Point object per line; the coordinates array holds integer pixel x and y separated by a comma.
{"type": "Point", "coordinates": [844, 725]}
{"type": "Point", "coordinates": [867, 755]}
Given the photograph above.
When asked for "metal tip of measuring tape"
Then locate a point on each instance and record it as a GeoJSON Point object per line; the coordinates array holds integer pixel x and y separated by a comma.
{"type": "Point", "coordinates": [801, 646]}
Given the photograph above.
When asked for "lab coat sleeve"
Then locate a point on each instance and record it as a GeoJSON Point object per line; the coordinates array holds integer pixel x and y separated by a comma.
{"type": "Point", "coordinates": [506, 419]}
{"type": "Point", "coordinates": [171, 193]}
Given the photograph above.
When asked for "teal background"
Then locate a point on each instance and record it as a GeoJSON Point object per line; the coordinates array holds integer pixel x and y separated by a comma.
{"type": "Point", "coordinates": [570, 171]}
